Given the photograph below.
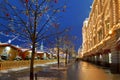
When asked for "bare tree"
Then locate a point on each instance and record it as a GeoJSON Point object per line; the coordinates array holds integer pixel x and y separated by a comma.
{"type": "Point", "coordinates": [30, 20]}
{"type": "Point", "coordinates": [58, 42]}
{"type": "Point", "coordinates": [64, 42]}
{"type": "Point", "coordinates": [68, 46]}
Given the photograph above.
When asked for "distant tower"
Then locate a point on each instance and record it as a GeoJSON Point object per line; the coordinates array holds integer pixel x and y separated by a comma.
{"type": "Point", "coordinates": [41, 46]}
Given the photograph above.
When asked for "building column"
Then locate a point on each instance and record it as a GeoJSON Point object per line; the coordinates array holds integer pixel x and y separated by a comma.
{"type": "Point", "coordinates": [118, 9]}
{"type": "Point", "coordinates": [114, 11]}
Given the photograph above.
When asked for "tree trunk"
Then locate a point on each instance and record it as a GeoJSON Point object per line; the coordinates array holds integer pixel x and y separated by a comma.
{"type": "Point", "coordinates": [66, 57]}
{"type": "Point", "coordinates": [32, 63]}
{"type": "Point", "coordinates": [58, 59]}
{"type": "Point", "coordinates": [33, 48]}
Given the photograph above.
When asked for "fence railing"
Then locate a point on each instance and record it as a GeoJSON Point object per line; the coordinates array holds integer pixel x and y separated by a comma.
{"type": "Point", "coordinates": [4, 65]}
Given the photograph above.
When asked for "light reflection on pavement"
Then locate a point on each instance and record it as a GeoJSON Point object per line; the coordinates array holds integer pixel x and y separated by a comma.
{"type": "Point", "coordinates": [87, 71]}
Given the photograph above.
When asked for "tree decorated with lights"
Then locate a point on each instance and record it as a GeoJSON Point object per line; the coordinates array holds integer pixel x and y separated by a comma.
{"type": "Point", "coordinates": [30, 20]}
{"type": "Point", "coordinates": [68, 46]}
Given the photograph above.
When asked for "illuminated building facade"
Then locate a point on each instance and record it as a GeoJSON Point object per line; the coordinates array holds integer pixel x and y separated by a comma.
{"type": "Point", "coordinates": [101, 34]}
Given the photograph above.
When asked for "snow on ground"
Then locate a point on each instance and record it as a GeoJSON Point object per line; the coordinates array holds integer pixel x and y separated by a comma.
{"type": "Point", "coordinates": [21, 68]}
{"type": "Point", "coordinates": [38, 78]}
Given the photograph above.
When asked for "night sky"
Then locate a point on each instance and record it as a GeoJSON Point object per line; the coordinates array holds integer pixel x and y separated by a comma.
{"type": "Point", "coordinates": [77, 11]}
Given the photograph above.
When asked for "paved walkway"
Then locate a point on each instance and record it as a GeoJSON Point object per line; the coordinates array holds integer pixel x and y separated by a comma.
{"type": "Point", "coordinates": [44, 72]}
{"type": "Point", "coordinates": [87, 71]}
{"type": "Point", "coordinates": [77, 71]}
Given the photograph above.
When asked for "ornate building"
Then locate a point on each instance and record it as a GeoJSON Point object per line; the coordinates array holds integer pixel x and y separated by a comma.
{"type": "Point", "coordinates": [101, 34]}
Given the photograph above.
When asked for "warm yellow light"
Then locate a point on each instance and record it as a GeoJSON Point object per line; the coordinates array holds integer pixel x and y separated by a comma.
{"type": "Point", "coordinates": [110, 32]}
{"type": "Point", "coordinates": [101, 42]}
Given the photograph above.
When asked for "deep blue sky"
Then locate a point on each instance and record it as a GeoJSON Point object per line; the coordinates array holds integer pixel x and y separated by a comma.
{"type": "Point", "coordinates": [77, 11]}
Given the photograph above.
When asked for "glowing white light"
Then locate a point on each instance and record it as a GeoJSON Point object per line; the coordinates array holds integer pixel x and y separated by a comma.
{"type": "Point", "coordinates": [110, 58]}
{"type": "Point", "coordinates": [7, 48]}
{"type": "Point", "coordinates": [90, 6]}
{"type": "Point", "coordinates": [17, 45]}
{"type": "Point", "coordinates": [9, 41]}
{"type": "Point", "coordinates": [100, 56]}
{"type": "Point", "coordinates": [95, 57]}
{"type": "Point", "coordinates": [30, 51]}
